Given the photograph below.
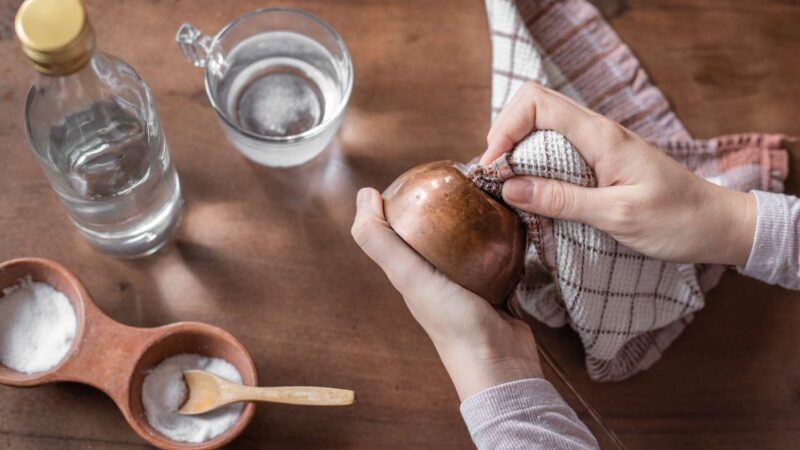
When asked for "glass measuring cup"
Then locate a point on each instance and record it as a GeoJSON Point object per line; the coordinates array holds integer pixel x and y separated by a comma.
{"type": "Point", "coordinates": [279, 80]}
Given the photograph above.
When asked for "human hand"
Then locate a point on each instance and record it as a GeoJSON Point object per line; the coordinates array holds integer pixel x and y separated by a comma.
{"type": "Point", "coordinates": [479, 346]}
{"type": "Point", "coordinates": [644, 199]}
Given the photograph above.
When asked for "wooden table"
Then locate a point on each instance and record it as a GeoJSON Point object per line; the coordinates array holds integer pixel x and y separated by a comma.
{"type": "Point", "coordinates": [266, 254]}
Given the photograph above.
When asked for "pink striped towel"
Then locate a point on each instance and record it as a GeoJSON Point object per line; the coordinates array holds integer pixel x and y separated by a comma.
{"type": "Point", "coordinates": [625, 307]}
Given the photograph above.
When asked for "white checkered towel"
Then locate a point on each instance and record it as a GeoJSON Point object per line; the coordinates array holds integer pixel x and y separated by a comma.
{"type": "Point", "coordinates": [627, 308]}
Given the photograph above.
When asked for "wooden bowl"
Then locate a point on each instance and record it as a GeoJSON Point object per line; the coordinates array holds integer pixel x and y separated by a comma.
{"type": "Point", "coordinates": [115, 358]}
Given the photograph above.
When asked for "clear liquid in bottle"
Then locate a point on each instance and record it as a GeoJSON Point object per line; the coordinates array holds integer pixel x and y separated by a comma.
{"type": "Point", "coordinates": [117, 182]}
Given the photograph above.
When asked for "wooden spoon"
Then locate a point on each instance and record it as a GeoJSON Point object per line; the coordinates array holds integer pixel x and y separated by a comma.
{"type": "Point", "coordinates": [208, 392]}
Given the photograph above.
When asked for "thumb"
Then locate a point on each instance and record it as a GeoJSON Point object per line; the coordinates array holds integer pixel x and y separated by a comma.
{"type": "Point", "coordinates": [554, 198]}
{"type": "Point", "coordinates": [405, 268]}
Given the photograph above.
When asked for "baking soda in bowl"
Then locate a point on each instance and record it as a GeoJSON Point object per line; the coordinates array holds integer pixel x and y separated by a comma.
{"type": "Point", "coordinates": [37, 327]}
{"type": "Point", "coordinates": [164, 392]}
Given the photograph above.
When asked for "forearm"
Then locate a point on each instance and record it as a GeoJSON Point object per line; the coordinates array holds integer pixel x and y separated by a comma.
{"type": "Point", "coordinates": [506, 403]}
{"type": "Point", "coordinates": [526, 414]}
{"type": "Point", "coordinates": [475, 370]}
{"type": "Point", "coordinates": [735, 229]}
{"type": "Point", "coordinates": [775, 254]}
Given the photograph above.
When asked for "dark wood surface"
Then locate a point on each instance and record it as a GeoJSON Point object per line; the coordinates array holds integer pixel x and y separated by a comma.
{"type": "Point", "coordinates": [266, 254]}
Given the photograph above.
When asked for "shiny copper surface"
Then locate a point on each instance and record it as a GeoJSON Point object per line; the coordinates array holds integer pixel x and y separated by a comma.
{"type": "Point", "coordinates": [470, 237]}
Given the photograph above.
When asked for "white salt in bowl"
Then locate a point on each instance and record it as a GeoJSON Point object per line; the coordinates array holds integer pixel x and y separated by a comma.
{"type": "Point", "coordinates": [191, 338]}
{"type": "Point", "coordinates": [42, 270]}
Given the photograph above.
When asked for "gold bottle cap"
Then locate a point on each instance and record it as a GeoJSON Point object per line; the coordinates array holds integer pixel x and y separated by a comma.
{"type": "Point", "coordinates": [55, 35]}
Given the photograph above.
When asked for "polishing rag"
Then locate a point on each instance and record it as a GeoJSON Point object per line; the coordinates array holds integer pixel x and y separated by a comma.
{"type": "Point", "coordinates": [626, 308]}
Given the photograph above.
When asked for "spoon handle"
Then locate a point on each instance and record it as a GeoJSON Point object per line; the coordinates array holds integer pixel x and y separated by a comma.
{"type": "Point", "coordinates": [292, 395]}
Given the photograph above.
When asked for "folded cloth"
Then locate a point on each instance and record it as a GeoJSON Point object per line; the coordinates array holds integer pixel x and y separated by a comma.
{"type": "Point", "coordinates": [626, 308]}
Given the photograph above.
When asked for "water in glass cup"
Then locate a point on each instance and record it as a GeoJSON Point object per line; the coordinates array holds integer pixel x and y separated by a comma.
{"type": "Point", "coordinates": [279, 79]}
{"type": "Point", "coordinates": [280, 84]}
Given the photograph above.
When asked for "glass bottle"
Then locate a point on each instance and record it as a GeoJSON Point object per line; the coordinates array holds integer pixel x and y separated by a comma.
{"type": "Point", "coordinates": [92, 124]}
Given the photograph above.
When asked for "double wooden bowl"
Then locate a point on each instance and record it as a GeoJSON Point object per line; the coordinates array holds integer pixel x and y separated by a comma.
{"type": "Point", "coordinates": [115, 358]}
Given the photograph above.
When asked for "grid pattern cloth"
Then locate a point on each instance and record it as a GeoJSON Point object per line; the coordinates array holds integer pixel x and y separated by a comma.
{"type": "Point", "coordinates": [626, 308]}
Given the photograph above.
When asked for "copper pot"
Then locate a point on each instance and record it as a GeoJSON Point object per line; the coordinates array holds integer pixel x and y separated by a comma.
{"type": "Point", "coordinates": [471, 238]}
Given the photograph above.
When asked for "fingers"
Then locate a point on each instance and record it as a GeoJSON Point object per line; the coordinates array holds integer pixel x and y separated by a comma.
{"type": "Point", "coordinates": [557, 199]}
{"type": "Point", "coordinates": [404, 267]}
{"type": "Point", "coordinates": [514, 122]}
{"type": "Point", "coordinates": [537, 108]}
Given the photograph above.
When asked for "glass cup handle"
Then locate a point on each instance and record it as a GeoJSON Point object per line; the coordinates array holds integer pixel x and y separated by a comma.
{"type": "Point", "coordinates": [194, 44]}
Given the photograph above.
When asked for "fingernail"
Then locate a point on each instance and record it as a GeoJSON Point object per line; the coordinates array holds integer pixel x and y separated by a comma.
{"type": "Point", "coordinates": [362, 198]}
{"type": "Point", "coordinates": [518, 191]}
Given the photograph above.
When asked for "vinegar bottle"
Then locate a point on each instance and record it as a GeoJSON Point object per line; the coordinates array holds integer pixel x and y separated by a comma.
{"type": "Point", "coordinates": [92, 125]}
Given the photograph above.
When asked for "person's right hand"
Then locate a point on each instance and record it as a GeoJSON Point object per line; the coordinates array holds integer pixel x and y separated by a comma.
{"type": "Point", "coordinates": [644, 199]}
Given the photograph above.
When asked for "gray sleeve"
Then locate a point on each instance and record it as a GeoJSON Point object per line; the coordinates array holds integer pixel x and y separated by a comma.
{"type": "Point", "coordinates": [775, 256]}
{"type": "Point", "coordinates": [526, 414]}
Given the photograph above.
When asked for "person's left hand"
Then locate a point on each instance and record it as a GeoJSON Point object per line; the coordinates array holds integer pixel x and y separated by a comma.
{"type": "Point", "coordinates": [479, 346]}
